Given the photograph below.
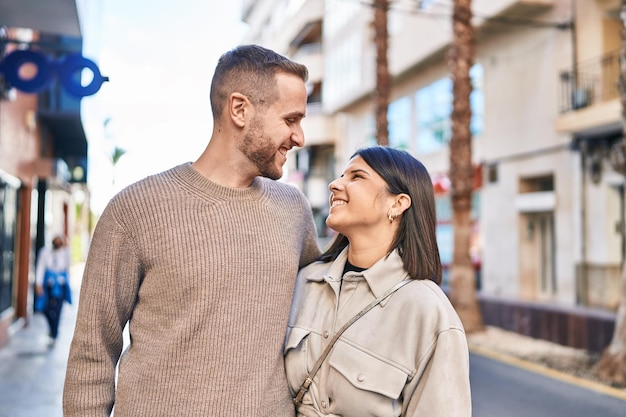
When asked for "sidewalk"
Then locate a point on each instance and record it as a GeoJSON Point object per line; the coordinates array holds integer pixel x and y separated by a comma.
{"type": "Point", "coordinates": [31, 373]}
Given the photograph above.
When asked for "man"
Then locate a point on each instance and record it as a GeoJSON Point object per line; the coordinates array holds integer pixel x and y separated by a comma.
{"type": "Point", "coordinates": [200, 261]}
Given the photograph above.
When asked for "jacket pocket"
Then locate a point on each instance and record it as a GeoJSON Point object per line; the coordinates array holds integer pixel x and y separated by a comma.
{"type": "Point", "coordinates": [295, 335]}
{"type": "Point", "coordinates": [296, 352]}
{"type": "Point", "coordinates": [366, 372]}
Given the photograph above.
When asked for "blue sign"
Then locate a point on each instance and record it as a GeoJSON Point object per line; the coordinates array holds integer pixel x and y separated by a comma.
{"type": "Point", "coordinates": [67, 69]}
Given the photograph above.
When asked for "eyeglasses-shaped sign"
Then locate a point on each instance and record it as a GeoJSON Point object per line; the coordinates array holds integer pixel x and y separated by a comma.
{"type": "Point", "coordinates": [68, 69]}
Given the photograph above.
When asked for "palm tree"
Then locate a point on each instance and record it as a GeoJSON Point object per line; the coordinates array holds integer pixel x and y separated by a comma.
{"type": "Point", "coordinates": [114, 157]}
{"type": "Point", "coordinates": [381, 39]}
{"type": "Point", "coordinates": [612, 363]}
{"type": "Point", "coordinates": [117, 152]}
{"type": "Point", "coordinates": [462, 275]}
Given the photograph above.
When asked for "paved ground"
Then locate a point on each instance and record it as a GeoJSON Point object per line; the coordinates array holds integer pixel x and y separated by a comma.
{"type": "Point", "coordinates": [32, 374]}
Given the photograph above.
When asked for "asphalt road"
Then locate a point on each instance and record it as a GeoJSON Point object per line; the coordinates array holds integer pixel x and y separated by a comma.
{"type": "Point", "coordinates": [503, 390]}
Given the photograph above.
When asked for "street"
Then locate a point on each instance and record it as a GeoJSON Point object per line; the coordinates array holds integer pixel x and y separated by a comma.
{"type": "Point", "coordinates": [502, 390]}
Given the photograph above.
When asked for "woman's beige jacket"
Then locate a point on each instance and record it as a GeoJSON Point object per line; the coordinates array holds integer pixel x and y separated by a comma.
{"type": "Point", "coordinates": [406, 357]}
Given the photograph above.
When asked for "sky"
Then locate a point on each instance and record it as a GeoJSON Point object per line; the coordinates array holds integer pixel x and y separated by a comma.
{"type": "Point", "coordinates": [159, 56]}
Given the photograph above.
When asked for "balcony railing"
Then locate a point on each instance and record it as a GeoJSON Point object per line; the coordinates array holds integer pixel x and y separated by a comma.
{"type": "Point", "coordinates": [591, 82]}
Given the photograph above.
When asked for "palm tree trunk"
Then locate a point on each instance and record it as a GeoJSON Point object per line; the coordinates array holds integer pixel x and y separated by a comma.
{"type": "Point", "coordinates": [612, 363]}
{"type": "Point", "coordinates": [462, 275]}
{"type": "Point", "coordinates": [382, 71]}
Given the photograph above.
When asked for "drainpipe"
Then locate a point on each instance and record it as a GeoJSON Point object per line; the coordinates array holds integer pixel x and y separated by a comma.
{"type": "Point", "coordinates": [574, 51]}
{"type": "Point", "coordinates": [574, 95]}
{"type": "Point", "coordinates": [582, 278]}
{"type": "Point", "coordinates": [581, 297]}
{"type": "Point", "coordinates": [622, 220]}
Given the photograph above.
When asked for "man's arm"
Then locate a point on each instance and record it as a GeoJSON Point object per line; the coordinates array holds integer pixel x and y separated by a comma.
{"type": "Point", "coordinates": [108, 292]}
{"type": "Point", "coordinates": [310, 249]}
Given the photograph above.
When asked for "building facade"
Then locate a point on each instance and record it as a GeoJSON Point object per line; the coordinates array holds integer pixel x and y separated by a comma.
{"type": "Point", "coordinates": [43, 148]}
{"type": "Point", "coordinates": [548, 206]}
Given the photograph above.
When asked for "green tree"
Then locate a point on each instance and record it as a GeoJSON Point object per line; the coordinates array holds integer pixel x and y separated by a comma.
{"type": "Point", "coordinates": [115, 156]}
{"type": "Point", "coordinates": [116, 153]}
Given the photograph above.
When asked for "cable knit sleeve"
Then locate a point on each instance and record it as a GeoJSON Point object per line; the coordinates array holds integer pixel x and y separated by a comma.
{"type": "Point", "coordinates": [108, 291]}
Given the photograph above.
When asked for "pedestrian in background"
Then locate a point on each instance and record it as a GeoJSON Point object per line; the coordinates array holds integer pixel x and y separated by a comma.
{"type": "Point", "coordinates": [52, 284]}
{"type": "Point", "coordinates": [200, 261]}
{"type": "Point", "coordinates": [408, 354]}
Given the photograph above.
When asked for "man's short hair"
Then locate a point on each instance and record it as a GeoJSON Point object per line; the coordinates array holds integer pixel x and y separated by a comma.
{"type": "Point", "coordinates": [250, 70]}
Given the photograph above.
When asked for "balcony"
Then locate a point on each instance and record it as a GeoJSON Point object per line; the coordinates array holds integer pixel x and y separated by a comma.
{"type": "Point", "coordinates": [311, 55]}
{"type": "Point", "coordinates": [319, 128]}
{"type": "Point", "coordinates": [494, 16]}
{"type": "Point", "coordinates": [589, 94]}
{"type": "Point", "coordinates": [512, 8]}
{"type": "Point", "coordinates": [591, 82]}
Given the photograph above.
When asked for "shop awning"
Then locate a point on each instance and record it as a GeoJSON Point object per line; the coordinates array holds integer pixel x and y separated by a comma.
{"type": "Point", "coordinates": [58, 17]}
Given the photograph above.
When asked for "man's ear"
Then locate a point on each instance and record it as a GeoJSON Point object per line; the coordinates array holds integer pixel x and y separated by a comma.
{"type": "Point", "coordinates": [239, 108]}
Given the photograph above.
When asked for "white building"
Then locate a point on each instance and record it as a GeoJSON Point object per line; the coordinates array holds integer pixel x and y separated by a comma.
{"type": "Point", "coordinates": [548, 206]}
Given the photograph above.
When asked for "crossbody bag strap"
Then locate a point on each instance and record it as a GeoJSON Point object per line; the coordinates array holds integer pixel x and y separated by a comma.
{"type": "Point", "coordinates": [309, 379]}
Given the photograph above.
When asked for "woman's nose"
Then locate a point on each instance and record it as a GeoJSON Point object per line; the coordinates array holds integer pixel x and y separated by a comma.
{"type": "Point", "coordinates": [334, 184]}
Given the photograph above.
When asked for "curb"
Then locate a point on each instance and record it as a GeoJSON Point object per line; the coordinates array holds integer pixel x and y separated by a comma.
{"type": "Point", "coordinates": [549, 372]}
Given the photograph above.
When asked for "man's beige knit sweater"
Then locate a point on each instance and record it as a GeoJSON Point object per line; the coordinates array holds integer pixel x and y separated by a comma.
{"type": "Point", "coordinates": [204, 275]}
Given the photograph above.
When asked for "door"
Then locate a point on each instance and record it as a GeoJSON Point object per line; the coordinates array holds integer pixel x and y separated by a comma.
{"type": "Point", "coordinates": [537, 263]}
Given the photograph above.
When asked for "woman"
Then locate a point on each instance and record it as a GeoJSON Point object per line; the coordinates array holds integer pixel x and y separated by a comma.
{"type": "Point", "coordinates": [52, 284]}
{"type": "Point", "coordinates": [408, 355]}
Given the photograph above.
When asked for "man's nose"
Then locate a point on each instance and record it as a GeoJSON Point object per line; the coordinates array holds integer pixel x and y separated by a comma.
{"type": "Point", "coordinates": [297, 137]}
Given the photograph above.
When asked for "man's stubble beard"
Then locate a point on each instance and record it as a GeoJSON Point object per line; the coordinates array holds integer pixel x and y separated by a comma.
{"type": "Point", "coordinates": [260, 151]}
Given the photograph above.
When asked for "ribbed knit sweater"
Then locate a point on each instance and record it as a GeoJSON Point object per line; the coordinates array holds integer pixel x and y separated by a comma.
{"type": "Point", "coordinates": [204, 275]}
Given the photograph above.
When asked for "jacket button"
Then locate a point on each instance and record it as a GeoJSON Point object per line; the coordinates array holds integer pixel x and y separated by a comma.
{"type": "Point", "coordinates": [323, 404]}
{"type": "Point", "coordinates": [360, 378]}
{"type": "Point", "coordinates": [325, 334]}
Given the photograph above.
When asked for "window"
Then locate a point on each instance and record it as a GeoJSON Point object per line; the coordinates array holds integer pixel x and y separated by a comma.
{"type": "Point", "coordinates": [399, 117]}
{"type": "Point", "coordinates": [8, 229]}
{"type": "Point", "coordinates": [433, 107]}
{"type": "Point", "coordinates": [477, 100]}
{"type": "Point", "coordinates": [342, 69]}
{"type": "Point", "coordinates": [425, 4]}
